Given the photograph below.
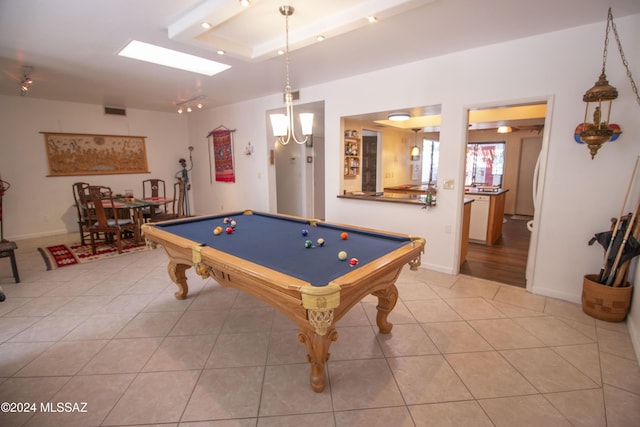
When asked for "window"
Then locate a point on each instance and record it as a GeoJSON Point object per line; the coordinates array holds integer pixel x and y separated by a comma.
{"type": "Point", "coordinates": [485, 164]}
{"type": "Point", "coordinates": [430, 158]}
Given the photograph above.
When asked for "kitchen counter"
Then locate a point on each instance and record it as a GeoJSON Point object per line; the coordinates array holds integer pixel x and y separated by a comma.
{"type": "Point", "coordinates": [487, 215]}
{"type": "Point", "coordinates": [472, 191]}
{"type": "Point", "coordinates": [407, 189]}
{"type": "Point", "coordinates": [411, 199]}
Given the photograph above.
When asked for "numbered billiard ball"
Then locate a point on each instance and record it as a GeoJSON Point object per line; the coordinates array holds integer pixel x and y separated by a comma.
{"type": "Point", "coordinates": [233, 223]}
{"type": "Point", "coordinates": [342, 255]}
{"type": "Point", "coordinates": [229, 230]}
{"type": "Point", "coordinates": [321, 242]}
{"type": "Point", "coordinates": [344, 235]}
{"type": "Point", "coordinates": [308, 243]}
{"type": "Point", "coordinates": [217, 230]}
{"type": "Point", "coordinates": [305, 232]}
{"type": "Point", "coordinates": [353, 262]}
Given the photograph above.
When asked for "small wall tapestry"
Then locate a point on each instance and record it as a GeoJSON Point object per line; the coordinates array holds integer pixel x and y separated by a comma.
{"type": "Point", "coordinates": [88, 154]}
{"type": "Point", "coordinates": [223, 154]}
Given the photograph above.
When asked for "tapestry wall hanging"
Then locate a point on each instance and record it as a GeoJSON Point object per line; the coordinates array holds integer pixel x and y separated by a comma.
{"type": "Point", "coordinates": [88, 154]}
{"type": "Point", "coordinates": [223, 154]}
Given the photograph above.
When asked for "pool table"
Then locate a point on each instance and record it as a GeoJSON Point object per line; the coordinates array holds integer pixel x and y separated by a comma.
{"type": "Point", "coordinates": [278, 259]}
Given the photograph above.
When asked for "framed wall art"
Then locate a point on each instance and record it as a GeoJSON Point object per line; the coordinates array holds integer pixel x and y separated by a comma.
{"type": "Point", "coordinates": [89, 154]}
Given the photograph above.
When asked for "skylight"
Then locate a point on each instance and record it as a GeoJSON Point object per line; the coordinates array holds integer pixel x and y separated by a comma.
{"type": "Point", "coordinates": [171, 58]}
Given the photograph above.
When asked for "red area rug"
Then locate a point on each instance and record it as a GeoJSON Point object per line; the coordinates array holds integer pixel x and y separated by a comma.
{"type": "Point", "coordinates": [58, 256]}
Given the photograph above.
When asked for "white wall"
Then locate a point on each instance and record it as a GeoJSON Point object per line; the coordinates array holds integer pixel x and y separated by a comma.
{"type": "Point", "coordinates": [580, 194]}
{"type": "Point", "coordinates": [37, 205]}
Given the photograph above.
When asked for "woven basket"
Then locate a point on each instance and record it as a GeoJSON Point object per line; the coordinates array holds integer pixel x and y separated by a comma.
{"type": "Point", "coordinates": [605, 302]}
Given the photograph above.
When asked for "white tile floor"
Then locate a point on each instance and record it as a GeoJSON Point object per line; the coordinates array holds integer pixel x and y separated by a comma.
{"type": "Point", "coordinates": [463, 352]}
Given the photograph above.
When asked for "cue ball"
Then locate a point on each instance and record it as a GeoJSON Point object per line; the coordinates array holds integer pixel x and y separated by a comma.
{"type": "Point", "coordinates": [305, 232]}
{"type": "Point", "coordinates": [229, 230]}
{"type": "Point", "coordinates": [321, 242]}
{"type": "Point", "coordinates": [308, 243]}
{"type": "Point", "coordinates": [353, 262]}
{"type": "Point", "coordinates": [344, 235]}
{"type": "Point", "coordinates": [217, 230]}
{"type": "Point", "coordinates": [342, 255]}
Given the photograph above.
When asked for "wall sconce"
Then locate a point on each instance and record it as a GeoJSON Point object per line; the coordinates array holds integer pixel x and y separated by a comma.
{"type": "Point", "coordinates": [190, 104]}
{"type": "Point", "coordinates": [505, 129]}
{"type": "Point", "coordinates": [26, 81]}
{"type": "Point", "coordinates": [599, 99]}
{"type": "Point", "coordinates": [415, 150]}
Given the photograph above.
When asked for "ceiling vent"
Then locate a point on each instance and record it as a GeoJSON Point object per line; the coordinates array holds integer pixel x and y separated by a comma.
{"type": "Point", "coordinates": [115, 111]}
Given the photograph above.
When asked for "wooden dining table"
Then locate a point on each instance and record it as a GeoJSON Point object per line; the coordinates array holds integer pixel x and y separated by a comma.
{"type": "Point", "coordinates": [134, 209]}
{"type": "Point", "coordinates": [137, 208]}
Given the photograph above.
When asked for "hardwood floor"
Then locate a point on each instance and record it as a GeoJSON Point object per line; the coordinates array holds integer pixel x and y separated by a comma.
{"type": "Point", "coordinates": [504, 262]}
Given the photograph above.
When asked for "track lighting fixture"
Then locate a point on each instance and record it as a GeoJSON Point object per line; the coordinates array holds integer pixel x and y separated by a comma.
{"type": "Point", "coordinates": [190, 104]}
{"type": "Point", "coordinates": [26, 82]}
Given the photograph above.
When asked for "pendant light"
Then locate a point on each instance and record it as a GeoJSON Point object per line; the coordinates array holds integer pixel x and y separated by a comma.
{"type": "Point", "coordinates": [282, 124]}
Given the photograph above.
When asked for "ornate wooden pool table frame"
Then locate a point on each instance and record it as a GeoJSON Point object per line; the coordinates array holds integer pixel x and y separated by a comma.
{"type": "Point", "coordinates": [316, 309]}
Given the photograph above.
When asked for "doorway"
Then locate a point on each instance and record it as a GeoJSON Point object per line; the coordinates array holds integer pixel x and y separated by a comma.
{"type": "Point", "coordinates": [509, 259]}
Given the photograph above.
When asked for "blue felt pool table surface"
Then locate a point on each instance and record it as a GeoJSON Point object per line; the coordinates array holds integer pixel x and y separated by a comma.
{"type": "Point", "coordinates": [277, 242]}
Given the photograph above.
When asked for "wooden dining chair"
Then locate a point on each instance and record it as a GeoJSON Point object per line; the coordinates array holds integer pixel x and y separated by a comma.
{"type": "Point", "coordinates": [177, 205]}
{"type": "Point", "coordinates": [80, 197]}
{"type": "Point", "coordinates": [107, 220]}
{"type": "Point", "coordinates": [154, 188]}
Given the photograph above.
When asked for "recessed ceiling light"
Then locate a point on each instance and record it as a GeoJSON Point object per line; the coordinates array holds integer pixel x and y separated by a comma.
{"type": "Point", "coordinates": [245, 3]}
{"type": "Point", "coordinates": [221, 52]}
{"type": "Point", "coordinates": [206, 25]}
{"type": "Point", "coordinates": [320, 38]}
{"type": "Point", "coordinates": [372, 19]}
{"type": "Point", "coordinates": [280, 52]}
{"type": "Point", "coordinates": [171, 58]}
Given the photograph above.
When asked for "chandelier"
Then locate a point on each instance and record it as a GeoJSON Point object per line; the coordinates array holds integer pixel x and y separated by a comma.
{"type": "Point", "coordinates": [283, 124]}
{"type": "Point", "coordinates": [596, 128]}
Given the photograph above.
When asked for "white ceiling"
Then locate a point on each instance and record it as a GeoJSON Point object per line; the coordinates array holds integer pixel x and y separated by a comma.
{"type": "Point", "coordinates": [72, 45]}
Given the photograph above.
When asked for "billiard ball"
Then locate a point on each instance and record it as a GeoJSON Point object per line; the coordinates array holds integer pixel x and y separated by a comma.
{"type": "Point", "coordinates": [344, 235]}
{"type": "Point", "coordinates": [233, 223]}
{"type": "Point", "coordinates": [342, 255]}
{"type": "Point", "coordinates": [305, 232]}
{"type": "Point", "coordinates": [226, 220]}
{"type": "Point", "coordinates": [353, 262]}
{"type": "Point", "coordinates": [217, 230]}
{"type": "Point", "coordinates": [308, 243]}
{"type": "Point", "coordinates": [229, 230]}
{"type": "Point", "coordinates": [321, 242]}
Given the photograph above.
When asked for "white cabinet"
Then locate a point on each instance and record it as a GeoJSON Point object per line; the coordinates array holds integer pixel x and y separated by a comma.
{"type": "Point", "coordinates": [479, 217]}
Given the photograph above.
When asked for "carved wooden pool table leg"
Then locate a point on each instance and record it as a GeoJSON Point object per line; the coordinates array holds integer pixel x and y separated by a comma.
{"type": "Point", "coordinates": [387, 299]}
{"type": "Point", "coordinates": [317, 354]}
{"type": "Point", "coordinates": [178, 276]}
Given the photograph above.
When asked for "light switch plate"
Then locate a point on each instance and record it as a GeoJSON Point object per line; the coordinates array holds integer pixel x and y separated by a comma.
{"type": "Point", "coordinates": [448, 184]}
